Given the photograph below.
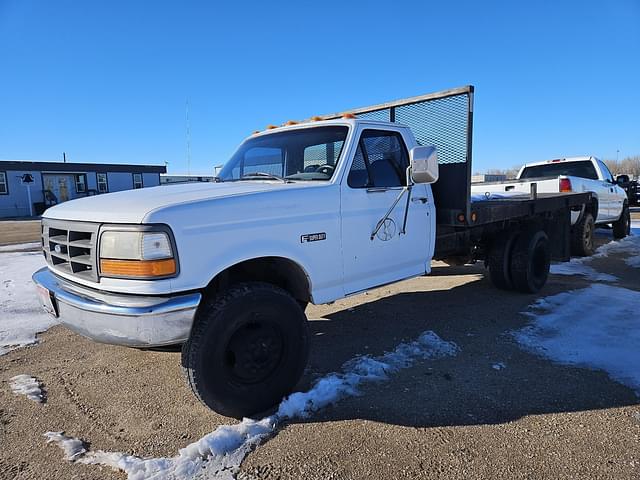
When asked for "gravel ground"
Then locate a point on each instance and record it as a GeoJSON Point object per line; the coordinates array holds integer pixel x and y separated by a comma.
{"type": "Point", "coordinates": [455, 417]}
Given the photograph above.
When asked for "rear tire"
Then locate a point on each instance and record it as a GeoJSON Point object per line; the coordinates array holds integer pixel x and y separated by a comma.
{"type": "Point", "coordinates": [247, 349]}
{"type": "Point", "coordinates": [622, 227]}
{"type": "Point", "coordinates": [530, 261]}
{"type": "Point", "coordinates": [499, 261]}
{"type": "Point", "coordinates": [582, 236]}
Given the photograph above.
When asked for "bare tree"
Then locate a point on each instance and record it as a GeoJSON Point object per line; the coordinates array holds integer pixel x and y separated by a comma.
{"type": "Point", "coordinates": [628, 166]}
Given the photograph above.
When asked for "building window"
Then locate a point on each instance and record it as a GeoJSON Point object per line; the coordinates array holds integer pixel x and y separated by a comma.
{"type": "Point", "coordinates": [103, 185]}
{"type": "Point", "coordinates": [81, 182]}
{"type": "Point", "coordinates": [4, 188]}
{"type": "Point", "coordinates": [137, 180]}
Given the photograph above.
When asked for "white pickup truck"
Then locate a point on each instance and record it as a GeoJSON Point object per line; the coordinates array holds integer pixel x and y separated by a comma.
{"type": "Point", "coordinates": [307, 212]}
{"type": "Point", "coordinates": [610, 204]}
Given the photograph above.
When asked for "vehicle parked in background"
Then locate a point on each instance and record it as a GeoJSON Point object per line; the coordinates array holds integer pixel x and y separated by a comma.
{"type": "Point", "coordinates": [609, 206]}
{"type": "Point", "coordinates": [306, 212]}
{"type": "Point", "coordinates": [631, 186]}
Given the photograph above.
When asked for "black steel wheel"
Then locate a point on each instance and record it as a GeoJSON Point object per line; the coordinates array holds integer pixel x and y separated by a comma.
{"type": "Point", "coordinates": [247, 350]}
{"type": "Point", "coordinates": [530, 261]}
{"type": "Point", "coordinates": [499, 260]}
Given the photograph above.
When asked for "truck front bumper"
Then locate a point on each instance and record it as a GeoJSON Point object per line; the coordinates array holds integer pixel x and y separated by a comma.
{"type": "Point", "coordinates": [130, 320]}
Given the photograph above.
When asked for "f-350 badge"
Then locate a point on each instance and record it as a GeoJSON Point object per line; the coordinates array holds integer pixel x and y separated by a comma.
{"type": "Point", "coordinates": [387, 230]}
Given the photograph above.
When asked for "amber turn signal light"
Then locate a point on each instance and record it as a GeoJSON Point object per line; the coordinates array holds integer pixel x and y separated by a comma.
{"type": "Point", "coordinates": [138, 268]}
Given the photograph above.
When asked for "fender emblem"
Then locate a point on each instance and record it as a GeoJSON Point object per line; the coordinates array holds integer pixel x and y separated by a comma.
{"type": "Point", "coordinates": [313, 237]}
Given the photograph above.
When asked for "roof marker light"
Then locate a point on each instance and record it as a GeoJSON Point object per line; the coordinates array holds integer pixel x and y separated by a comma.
{"type": "Point", "coordinates": [291, 122]}
{"type": "Point", "coordinates": [271, 127]}
{"type": "Point", "coordinates": [316, 118]}
{"type": "Point", "coordinates": [348, 115]}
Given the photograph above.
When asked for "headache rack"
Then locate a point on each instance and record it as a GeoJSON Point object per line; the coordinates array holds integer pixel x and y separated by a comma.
{"type": "Point", "coordinates": [445, 120]}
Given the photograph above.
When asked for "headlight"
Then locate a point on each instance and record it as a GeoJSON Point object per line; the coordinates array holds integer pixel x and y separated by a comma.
{"type": "Point", "coordinates": [137, 254]}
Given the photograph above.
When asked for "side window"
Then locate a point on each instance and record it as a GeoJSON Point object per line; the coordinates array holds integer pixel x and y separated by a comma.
{"type": "Point", "coordinates": [606, 174]}
{"type": "Point", "coordinates": [4, 189]}
{"type": "Point", "coordinates": [263, 160]}
{"type": "Point", "coordinates": [81, 182]}
{"type": "Point", "coordinates": [381, 160]}
{"type": "Point", "coordinates": [137, 180]}
{"type": "Point", "coordinates": [103, 186]}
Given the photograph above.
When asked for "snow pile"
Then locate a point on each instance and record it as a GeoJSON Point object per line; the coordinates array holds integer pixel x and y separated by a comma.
{"type": "Point", "coordinates": [596, 327]}
{"type": "Point", "coordinates": [28, 386]}
{"type": "Point", "coordinates": [220, 452]}
{"type": "Point", "coordinates": [22, 316]}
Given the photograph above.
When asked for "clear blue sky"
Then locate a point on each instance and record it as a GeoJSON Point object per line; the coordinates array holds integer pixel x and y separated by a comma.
{"type": "Point", "coordinates": [107, 81]}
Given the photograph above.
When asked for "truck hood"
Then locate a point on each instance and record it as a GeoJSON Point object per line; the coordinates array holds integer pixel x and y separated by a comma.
{"type": "Point", "coordinates": [132, 206]}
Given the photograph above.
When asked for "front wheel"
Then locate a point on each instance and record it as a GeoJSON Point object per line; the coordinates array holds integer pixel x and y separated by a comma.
{"type": "Point", "coordinates": [247, 349]}
{"type": "Point", "coordinates": [622, 227]}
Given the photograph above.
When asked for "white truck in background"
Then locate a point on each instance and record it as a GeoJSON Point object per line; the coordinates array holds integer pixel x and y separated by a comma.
{"type": "Point", "coordinates": [609, 205]}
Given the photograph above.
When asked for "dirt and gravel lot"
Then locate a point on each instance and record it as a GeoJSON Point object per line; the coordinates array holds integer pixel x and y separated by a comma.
{"type": "Point", "coordinates": [19, 231]}
{"type": "Point", "coordinates": [455, 417]}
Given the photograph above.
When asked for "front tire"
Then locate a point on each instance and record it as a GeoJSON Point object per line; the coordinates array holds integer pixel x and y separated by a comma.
{"type": "Point", "coordinates": [622, 227]}
{"type": "Point", "coordinates": [247, 349]}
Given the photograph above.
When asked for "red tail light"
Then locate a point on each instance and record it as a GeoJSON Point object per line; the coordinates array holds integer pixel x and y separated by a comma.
{"type": "Point", "coordinates": [565, 185]}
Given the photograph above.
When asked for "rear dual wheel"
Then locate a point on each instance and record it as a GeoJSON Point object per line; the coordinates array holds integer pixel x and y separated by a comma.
{"type": "Point", "coordinates": [520, 261]}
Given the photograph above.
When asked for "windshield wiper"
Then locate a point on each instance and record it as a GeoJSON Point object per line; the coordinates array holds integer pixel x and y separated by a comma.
{"type": "Point", "coordinates": [263, 175]}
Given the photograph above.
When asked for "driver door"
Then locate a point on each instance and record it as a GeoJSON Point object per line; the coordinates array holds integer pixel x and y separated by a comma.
{"type": "Point", "coordinates": [376, 177]}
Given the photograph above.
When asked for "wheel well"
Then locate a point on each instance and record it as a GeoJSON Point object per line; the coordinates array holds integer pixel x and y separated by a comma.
{"type": "Point", "coordinates": [592, 208]}
{"type": "Point", "coordinates": [279, 271]}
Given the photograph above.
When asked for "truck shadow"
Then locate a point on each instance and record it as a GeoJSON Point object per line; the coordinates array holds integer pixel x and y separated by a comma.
{"type": "Point", "coordinates": [469, 389]}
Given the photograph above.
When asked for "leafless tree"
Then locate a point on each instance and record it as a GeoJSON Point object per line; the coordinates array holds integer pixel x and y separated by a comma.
{"type": "Point", "coordinates": [628, 166]}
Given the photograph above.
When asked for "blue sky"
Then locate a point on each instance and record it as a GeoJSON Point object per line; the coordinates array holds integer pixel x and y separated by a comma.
{"type": "Point", "coordinates": [107, 81]}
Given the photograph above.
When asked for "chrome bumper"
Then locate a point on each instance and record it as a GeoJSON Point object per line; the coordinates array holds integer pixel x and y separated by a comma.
{"type": "Point", "coordinates": [130, 320]}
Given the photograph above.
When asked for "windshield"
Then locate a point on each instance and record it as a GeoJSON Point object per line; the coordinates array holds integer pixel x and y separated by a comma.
{"type": "Point", "coordinates": [301, 154]}
{"type": "Point", "coordinates": [584, 169]}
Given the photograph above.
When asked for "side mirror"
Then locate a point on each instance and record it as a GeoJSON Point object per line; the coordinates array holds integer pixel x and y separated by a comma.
{"type": "Point", "coordinates": [622, 179]}
{"type": "Point", "coordinates": [424, 164]}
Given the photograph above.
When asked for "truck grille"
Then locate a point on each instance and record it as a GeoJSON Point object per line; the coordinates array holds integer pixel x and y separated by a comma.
{"type": "Point", "coordinates": [70, 247]}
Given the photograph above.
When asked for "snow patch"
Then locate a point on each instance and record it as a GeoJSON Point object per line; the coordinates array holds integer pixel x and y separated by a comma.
{"type": "Point", "coordinates": [576, 267]}
{"type": "Point", "coordinates": [219, 453]}
{"type": "Point", "coordinates": [597, 327]}
{"type": "Point", "coordinates": [21, 247]}
{"type": "Point", "coordinates": [498, 366]}
{"type": "Point", "coordinates": [72, 447]}
{"type": "Point", "coordinates": [629, 245]}
{"type": "Point", "coordinates": [22, 316]}
{"type": "Point", "coordinates": [28, 386]}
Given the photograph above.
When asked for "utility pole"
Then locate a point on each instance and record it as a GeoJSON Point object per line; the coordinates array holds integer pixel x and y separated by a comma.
{"type": "Point", "coordinates": [64, 157]}
{"type": "Point", "coordinates": [188, 140]}
{"type": "Point", "coordinates": [617, 155]}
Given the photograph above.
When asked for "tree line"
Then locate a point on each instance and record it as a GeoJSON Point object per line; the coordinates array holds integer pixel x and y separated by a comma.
{"type": "Point", "coordinates": [628, 166]}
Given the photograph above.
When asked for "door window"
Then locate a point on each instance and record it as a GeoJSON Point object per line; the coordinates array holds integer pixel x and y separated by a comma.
{"type": "Point", "coordinates": [381, 160]}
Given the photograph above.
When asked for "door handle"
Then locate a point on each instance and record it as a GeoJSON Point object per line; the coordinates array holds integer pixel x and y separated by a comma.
{"type": "Point", "coordinates": [420, 199]}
